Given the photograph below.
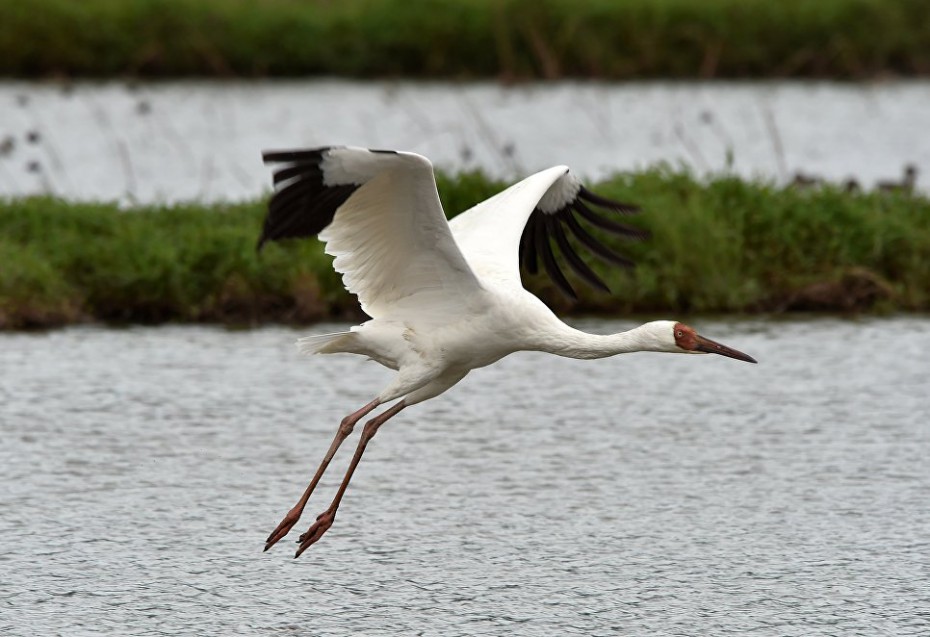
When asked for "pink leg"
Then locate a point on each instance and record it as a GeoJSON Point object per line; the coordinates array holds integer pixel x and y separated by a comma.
{"type": "Point", "coordinates": [325, 519]}
{"type": "Point", "coordinates": [345, 428]}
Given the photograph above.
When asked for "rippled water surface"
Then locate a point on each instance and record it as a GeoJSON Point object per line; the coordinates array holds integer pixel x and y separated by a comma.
{"type": "Point", "coordinates": [646, 494]}
{"type": "Point", "coordinates": [203, 140]}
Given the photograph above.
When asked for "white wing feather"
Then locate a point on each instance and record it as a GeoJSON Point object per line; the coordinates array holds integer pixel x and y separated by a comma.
{"type": "Point", "coordinates": [489, 233]}
{"type": "Point", "coordinates": [392, 243]}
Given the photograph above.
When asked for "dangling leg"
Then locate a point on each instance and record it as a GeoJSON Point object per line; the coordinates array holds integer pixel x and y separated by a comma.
{"type": "Point", "coordinates": [345, 428]}
{"type": "Point", "coordinates": [325, 519]}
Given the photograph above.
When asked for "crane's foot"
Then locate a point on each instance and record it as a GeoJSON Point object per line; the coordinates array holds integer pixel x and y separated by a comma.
{"type": "Point", "coordinates": [283, 528]}
{"type": "Point", "coordinates": [316, 531]}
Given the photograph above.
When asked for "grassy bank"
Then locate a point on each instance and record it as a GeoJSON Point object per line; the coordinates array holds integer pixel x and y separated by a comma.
{"type": "Point", "coordinates": [726, 246]}
{"type": "Point", "coordinates": [467, 38]}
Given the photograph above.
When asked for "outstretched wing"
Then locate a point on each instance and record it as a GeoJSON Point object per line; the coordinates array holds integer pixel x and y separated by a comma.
{"type": "Point", "coordinates": [520, 225]}
{"type": "Point", "coordinates": [379, 215]}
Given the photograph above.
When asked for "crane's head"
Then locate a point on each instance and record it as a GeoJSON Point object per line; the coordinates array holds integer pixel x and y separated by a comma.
{"type": "Point", "coordinates": [683, 339]}
{"type": "Point", "coordinates": [689, 341]}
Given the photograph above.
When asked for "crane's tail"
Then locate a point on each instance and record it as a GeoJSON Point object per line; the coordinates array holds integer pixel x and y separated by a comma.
{"type": "Point", "coordinates": [323, 343]}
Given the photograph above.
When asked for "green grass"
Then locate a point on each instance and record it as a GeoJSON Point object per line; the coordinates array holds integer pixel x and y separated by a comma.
{"type": "Point", "coordinates": [723, 246]}
{"type": "Point", "coordinates": [75, 262]}
{"type": "Point", "coordinates": [507, 39]}
{"type": "Point", "coordinates": [731, 245]}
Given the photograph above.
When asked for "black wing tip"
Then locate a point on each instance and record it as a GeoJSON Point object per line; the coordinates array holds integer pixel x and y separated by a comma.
{"type": "Point", "coordinates": [302, 203]}
{"type": "Point", "coordinates": [575, 262]}
{"type": "Point", "coordinates": [310, 155]}
{"type": "Point", "coordinates": [604, 202]}
{"type": "Point", "coordinates": [544, 249]}
{"type": "Point", "coordinates": [603, 223]}
{"type": "Point", "coordinates": [534, 243]}
{"type": "Point", "coordinates": [632, 233]}
{"type": "Point", "coordinates": [595, 246]}
{"type": "Point", "coordinates": [565, 288]}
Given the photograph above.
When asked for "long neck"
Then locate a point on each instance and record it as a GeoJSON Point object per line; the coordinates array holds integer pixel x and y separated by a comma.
{"type": "Point", "coordinates": [572, 343]}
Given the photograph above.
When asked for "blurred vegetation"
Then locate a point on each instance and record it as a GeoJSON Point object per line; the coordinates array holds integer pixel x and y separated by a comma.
{"type": "Point", "coordinates": [722, 246]}
{"type": "Point", "coordinates": [507, 39]}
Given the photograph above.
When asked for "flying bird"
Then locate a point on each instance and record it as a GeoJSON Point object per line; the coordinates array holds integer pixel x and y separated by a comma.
{"type": "Point", "coordinates": [445, 297]}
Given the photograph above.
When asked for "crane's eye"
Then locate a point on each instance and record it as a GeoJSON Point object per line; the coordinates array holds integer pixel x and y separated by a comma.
{"type": "Point", "coordinates": [679, 334]}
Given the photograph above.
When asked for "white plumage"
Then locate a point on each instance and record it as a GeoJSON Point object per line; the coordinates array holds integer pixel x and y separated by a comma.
{"type": "Point", "coordinates": [489, 233]}
{"type": "Point", "coordinates": [444, 297]}
{"type": "Point", "coordinates": [391, 241]}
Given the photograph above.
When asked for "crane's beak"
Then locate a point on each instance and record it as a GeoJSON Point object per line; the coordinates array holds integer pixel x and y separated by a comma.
{"type": "Point", "coordinates": [713, 347]}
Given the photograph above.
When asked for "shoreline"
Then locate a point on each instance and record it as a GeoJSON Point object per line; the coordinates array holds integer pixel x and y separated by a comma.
{"type": "Point", "coordinates": [723, 246]}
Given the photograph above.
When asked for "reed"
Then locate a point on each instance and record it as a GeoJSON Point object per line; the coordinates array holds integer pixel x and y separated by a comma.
{"type": "Point", "coordinates": [509, 39]}
{"type": "Point", "coordinates": [724, 245]}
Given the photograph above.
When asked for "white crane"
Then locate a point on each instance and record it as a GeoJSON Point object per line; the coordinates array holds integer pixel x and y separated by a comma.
{"type": "Point", "coordinates": [444, 297]}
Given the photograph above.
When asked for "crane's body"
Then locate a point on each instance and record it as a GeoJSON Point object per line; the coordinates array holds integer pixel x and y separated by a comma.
{"type": "Point", "coordinates": [422, 352]}
{"type": "Point", "coordinates": [444, 297]}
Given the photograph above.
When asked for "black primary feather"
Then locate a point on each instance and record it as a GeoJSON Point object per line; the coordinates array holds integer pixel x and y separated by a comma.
{"type": "Point", "coordinates": [604, 202]}
{"type": "Point", "coordinates": [595, 246]}
{"type": "Point", "coordinates": [541, 227]}
{"type": "Point", "coordinates": [528, 247]}
{"type": "Point", "coordinates": [544, 248]}
{"type": "Point", "coordinates": [302, 204]}
{"type": "Point", "coordinates": [571, 257]}
{"type": "Point", "coordinates": [608, 225]}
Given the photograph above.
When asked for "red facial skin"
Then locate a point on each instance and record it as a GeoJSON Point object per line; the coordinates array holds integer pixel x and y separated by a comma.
{"type": "Point", "coordinates": [687, 339]}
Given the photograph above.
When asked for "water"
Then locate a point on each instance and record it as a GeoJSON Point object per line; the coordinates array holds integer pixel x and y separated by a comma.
{"type": "Point", "coordinates": [203, 140]}
{"type": "Point", "coordinates": [646, 494]}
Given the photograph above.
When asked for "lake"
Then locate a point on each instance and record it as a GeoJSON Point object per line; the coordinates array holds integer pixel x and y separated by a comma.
{"type": "Point", "coordinates": [202, 141]}
{"type": "Point", "coordinates": [645, 494]}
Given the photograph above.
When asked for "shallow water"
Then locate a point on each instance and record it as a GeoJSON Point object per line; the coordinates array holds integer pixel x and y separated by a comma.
{"type": "Point", "coordinates": [203, 140]}
{"type": "Point", "coordinates": [641, 495]}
